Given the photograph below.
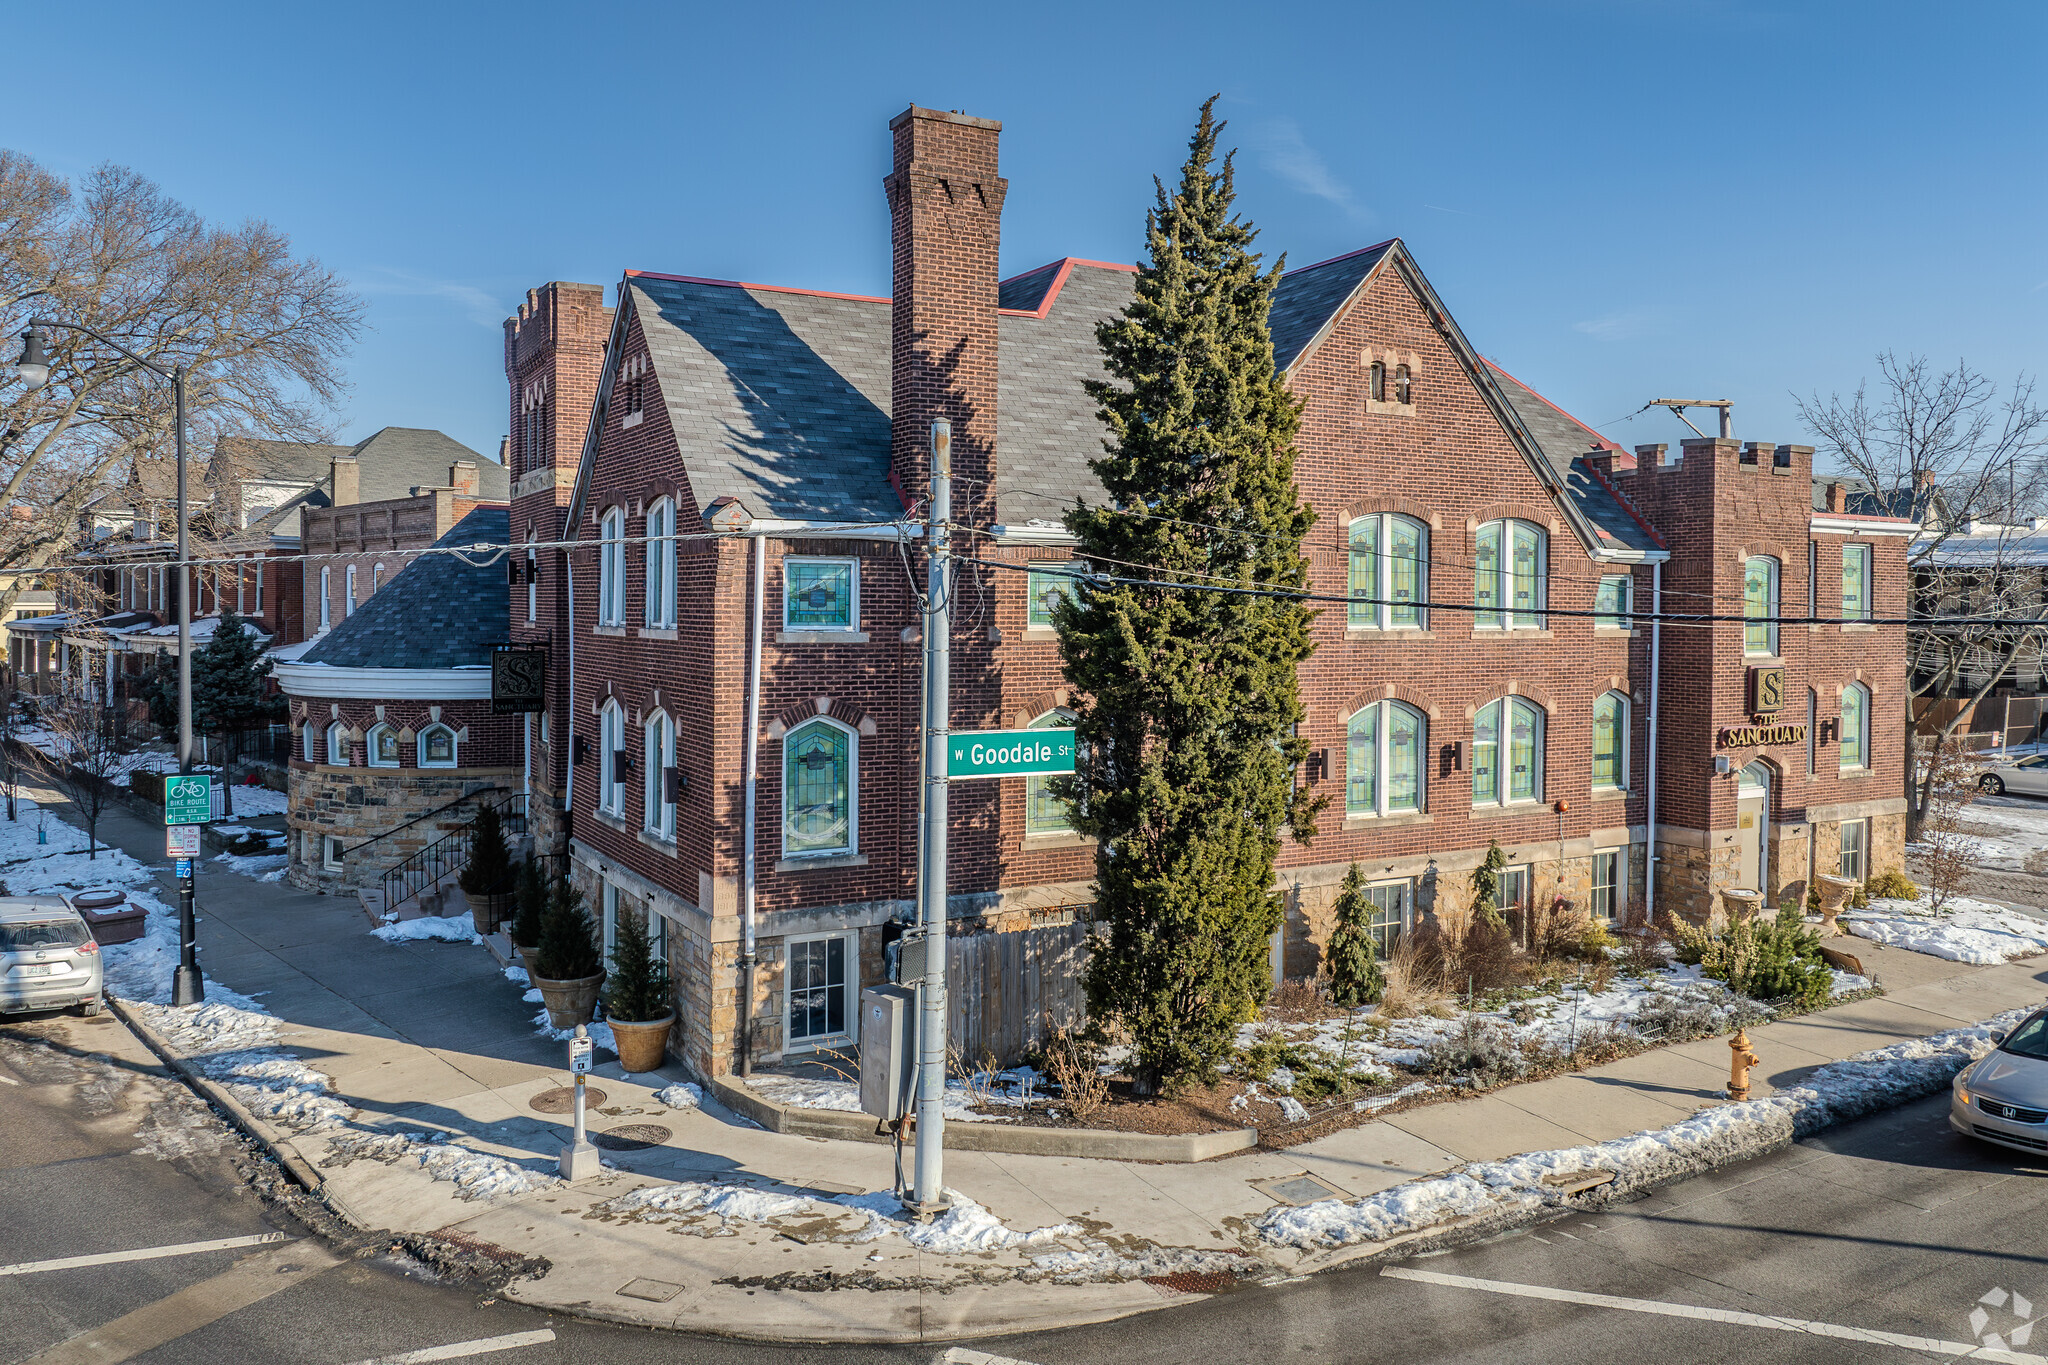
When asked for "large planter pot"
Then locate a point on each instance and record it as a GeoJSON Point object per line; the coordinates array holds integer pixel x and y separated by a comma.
{"type": "Point", "coordinates": [490, 910]}
{"type": "Point", "coordinates": [642, 1046]}
{"type": "Point", "coordinates": [1834, 894]}
{"type": "Point", "coordinates": [570, 1002]}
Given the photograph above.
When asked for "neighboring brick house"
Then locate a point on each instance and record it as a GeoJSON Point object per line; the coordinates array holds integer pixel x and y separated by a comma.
{"type": "Point", "coordinates": [352, 547]}
{"type": "Point", "coordinates": [1496, 689]}
{"type": "Point", "coordinates": [391, 713]}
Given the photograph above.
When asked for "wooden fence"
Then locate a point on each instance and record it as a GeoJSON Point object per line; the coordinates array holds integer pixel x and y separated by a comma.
{"type": "Point", "coordinates": [1006, 992]}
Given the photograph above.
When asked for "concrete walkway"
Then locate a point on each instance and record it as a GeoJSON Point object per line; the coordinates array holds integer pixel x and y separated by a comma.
{"type": "Point", "coordinates": [431, 1037]}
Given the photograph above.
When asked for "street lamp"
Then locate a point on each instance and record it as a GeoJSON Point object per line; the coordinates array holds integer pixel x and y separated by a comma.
{"type": "Point", "coordinates": [188, 987]}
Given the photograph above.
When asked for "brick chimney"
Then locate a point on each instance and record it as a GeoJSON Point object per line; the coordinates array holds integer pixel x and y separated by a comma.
{"type": "Point", "coordinates": [347, 482]}
{"type": "Point", "coordinates": [945, 211]}
{"type": "Point", "coordinates": [1837, 498]}
{"type": "Point", "coordinates": [462, 478]}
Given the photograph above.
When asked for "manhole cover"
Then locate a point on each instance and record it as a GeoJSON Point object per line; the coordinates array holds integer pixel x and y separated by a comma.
{"type": "Point", "coordinates": [562, 1100]}
{"type": "Point", "coordinates": [631, 1137]}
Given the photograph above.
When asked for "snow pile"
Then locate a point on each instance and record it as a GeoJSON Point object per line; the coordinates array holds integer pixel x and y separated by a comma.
{"type": "Point", "coordinates": [262, 867]}
{"type": "Point", "coordinates": [258, 801]}
{"type": "Point", "coordinates": [599, 1032]}
{"type": "Point", "coordinates": [475, 1175]}
{"type": "Point", "coordinates": [728, 1204]}
{"type": "Point", "coordinates": [683, 1095]}
{"type": "Point", "coordinates": [442, 928]}
{"type": "Point", "coordinates": [968, 1227]}
{"type": "Point", "coordinates": [234, 1041]}
{"type": "Point", "coordinates": [803, 1092]}
{"type": "Point", "coordinates": [1835, 1093]}
{"type": "Point", "coordinates": [965, 1228]}
{"type": "Point", "coordinates": [1964, 930]}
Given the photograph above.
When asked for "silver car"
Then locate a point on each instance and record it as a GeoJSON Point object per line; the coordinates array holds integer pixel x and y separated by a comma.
{"type": "Point", "coordinates": [48, 960]}
{"type": "Point", "coordinates": [2026, 775]}
{"type": "Point", "coordinates": [2003, 1097]}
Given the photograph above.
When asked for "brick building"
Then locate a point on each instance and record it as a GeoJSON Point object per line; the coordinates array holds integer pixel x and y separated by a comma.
{"type": "Point", "coordinates": [734, 462]}
{"type": "Point", "coordinates": [353, 547]}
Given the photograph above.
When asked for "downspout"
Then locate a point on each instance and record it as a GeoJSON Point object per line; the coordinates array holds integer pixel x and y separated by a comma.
{"type": "Point", "coordinates": [1656, 673]}
{"type": "Point", "coordinates": [745, 1013]}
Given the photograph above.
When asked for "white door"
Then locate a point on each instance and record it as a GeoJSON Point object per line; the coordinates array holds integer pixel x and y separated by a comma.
{"type": "Point", "coordinates": [1752, 820]}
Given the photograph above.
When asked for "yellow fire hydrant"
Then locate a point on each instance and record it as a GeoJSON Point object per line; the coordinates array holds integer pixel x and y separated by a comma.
{"type": "Point", "coordinates": [1739, 1065]}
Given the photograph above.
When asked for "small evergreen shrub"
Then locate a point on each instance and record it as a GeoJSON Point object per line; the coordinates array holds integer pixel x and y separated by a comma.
{"type": "Point", "coordinates": [490, 862]}
{"type": "Point", "coordinates": [637, 991]}
{"type": "Point", "coordinates": [1892, 884]}
{"type": "Point", "coordinates": [1486, 888]}
{"type": "Point", "coordinates": [1352, 958]}
{"type": "Point", "coordinates": [531, 905]}
{"type": "Point", "coordinates": [568, 942]}
{"type": "Point", "coordinates": [1764, 959]}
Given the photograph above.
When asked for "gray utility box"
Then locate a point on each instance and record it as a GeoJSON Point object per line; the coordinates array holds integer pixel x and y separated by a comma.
{"type": "Point", "coordinates": [888, 1050]}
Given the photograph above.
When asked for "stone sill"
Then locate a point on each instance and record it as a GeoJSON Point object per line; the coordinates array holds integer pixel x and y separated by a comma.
{"type": "Point", "coordinates": [1622, 631]}
{"type": "Point", "coordinates": [1858, 628]}
{"type": "Point", "coordinates": [660, 843]}
{"type": "Point", "coordinates": [612, 822]}
{"type": "Point", "coordinates": [821, 637]}
{"type": "Point", "coordinates": [1376, 408]}
{"type": "Point", "coordinates": [1508, 812]}
{"type": "Point", "coordinates": [619, 631]}
{"type": "Point", "coordinates": [820, 863]}
{"type": "Point", "coordinates": [633, 419]}
{"type": "Point", "coordinates": [1509, 636]}
{"type": "Point", "coordinates": [658, 633]}
{"type": "Point", "coordinates": [1355, 822]}
{"type": "Point", "coordinates": [1610, 794]}
{"type": "Point", "coordinates": [1354, 634]}
{"type": "Point", "coordinates": [1040, 633]}
{"type": "Point", "coordinates": [1058, 839]}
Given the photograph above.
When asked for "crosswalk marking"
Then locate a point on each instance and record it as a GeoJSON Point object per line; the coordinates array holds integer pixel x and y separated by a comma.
{"type": "Point", "coordinates": [1930, 1345]}
{"type": "Point", "coordinates": [962, 1355]}
{"type": "Point", "coordinates": [140, 1254]}
{"type": "Point", "coordinates": [458, 1350]}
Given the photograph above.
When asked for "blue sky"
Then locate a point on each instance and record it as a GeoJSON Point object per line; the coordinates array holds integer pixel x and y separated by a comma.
{"type": "Point", "coordinates": [1619, 201]}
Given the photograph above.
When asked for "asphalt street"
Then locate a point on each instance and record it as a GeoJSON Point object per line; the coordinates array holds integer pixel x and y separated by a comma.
{"type": "Point", "coordinates": [1889, 1226]}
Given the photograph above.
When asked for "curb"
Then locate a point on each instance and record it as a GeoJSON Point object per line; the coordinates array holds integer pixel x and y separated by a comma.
{"type": "Point", "coordinates": [281, 1149]}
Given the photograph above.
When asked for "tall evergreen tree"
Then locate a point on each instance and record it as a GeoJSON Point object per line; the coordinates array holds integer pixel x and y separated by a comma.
{"type": "Point", "coordinates": [228, 692]}
{"type": "Point", "coordinates": [1352, 958]}
{"type": "Point", "coordinates": [1188, 697]}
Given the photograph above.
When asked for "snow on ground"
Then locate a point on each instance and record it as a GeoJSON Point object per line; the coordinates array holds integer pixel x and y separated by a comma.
{"type": "Point", "coordinates": [259, 867]}
{"type": "Point", "coordinates": [1834, 1093]}
{"type": "Point", "coordinates": [803, 1092]}
{"type": "Point", "coordinates": [258, 801]}
{"type": "Point", "coordinates": [682, 1095]}
{"type": "Point", "coordinates": [2009, 831]}
{"type": "Point", "coordinates": [440, 928]}
{"type": "Point", "coordinates": [714, 1209]}
{"type": "Point", "coordinates": [1965, 930]}
{"type": "Point", "coordinates": [475, 1175]}
{"type": "Point", "coordinates": [598, 1032]}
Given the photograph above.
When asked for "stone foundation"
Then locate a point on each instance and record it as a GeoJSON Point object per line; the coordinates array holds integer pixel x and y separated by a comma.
{"type": "Point", "coordinates": [357, 805]}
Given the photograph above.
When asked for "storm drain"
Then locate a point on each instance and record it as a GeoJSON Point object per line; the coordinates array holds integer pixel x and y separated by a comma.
{"type": "Point", "coordinates": [631, 1137]}
{"type": "Point", "coordinates": [562, 1099]}
{"type": "Point", "coordinates": [1299, 1189]}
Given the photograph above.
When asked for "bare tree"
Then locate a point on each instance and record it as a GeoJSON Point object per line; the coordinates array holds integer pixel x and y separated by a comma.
{"type": "Point", "coordinates": [1949, 449]}
{"type": "Point", "coordinates": [85, 758]}
{"type": "Point", "coordinates": [261, 331]}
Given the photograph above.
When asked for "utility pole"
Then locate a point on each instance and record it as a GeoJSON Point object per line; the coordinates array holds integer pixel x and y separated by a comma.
{"type": "Point", "coordinates": [188, 986]}
{"type": "Point", "coordinates": [928, 1185]}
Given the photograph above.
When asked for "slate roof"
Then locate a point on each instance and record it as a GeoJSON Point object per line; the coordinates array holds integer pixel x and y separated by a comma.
{"type": "Point", "coordinates": [437, 612]}
{"type": "Point", "coordinates": [1565, 441]}
{"type": "Point", "coordinates": [391, 463]}
{"type": "Point", "coordinates": [1860, 500]}
{"type": "Point", "coordinates": [1307, 300]}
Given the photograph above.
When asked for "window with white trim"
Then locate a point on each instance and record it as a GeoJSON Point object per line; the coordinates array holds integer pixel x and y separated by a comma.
{"type": "Point", "coordinates": [820, 978]}
{"type": "Point", "coordinates": [326, 611]}
{"type": "Point", "coordinates": [820, 763]}
{"type": "Point", "coordinates": [611, 568]}
{"type": "Point", "coordinates": [1855, 862]}
{"type": "Point", "coordinates": [1511, 575]}
{"type": "Point", "coordinates": [382, 746]}
{"type": "Point", "coordinates": [1389, 580]}
{"type": "Point", "coordinates": [1045, 813]}
{"type": "Point", "coordinates": [1393, 913]}
{"type": "Point", "coordinates": [1760, 605]}
{"type": "Point", "coordinates": [611, 753]}
{"type": "Point", "coordinates": [1855, 727]}
{"type": "Point", "coordinates": [316, 739]}
{"type": "Point", "coordinates": [1612, 601]}
{"type": "Point", "coordinates": [1507, 752]}
{"type": "Point", "coordinates": [376, 577]}
{"type": "Point", "coordinates": [661, 565]}
{"type": "Point", "coordinates": [1047, 586]}
{"type": "Point", "coordinates": [1384, 744]}
{"type": "Point", "coordinates": [337, 745]}
{"type": "Point", "coordinates": [332, 851]}
{"type": "Point", "coordinates": [1515, 884]}
{"type": "Point", "coordinates": [608, 919]}
{"type": "Point", "coordinates": [1610, 883]}
{"type": "Point", "coordinates": [1610, 742]}
{"type": "Point", "coordinates": [348, 602]}
{"type": "Point", "coordinates": [657, 764]}
{"type": "Point", "coordinates": [437, 747]}
{"type": "Point", "coordinates": [821, 594]}
{"type": "Point", "coordinates": [1856, 583]}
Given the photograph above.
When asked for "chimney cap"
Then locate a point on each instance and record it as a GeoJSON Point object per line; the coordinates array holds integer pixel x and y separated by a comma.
{"type": "Point", "coordinates": [944, 116]}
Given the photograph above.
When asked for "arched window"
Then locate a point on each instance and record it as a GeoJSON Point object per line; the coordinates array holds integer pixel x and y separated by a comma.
{"type": "Point", "coordinates": [611, 759]}
{"type": "Point", "coordinates": [316, 741]}
{"type": "Point", "coordinates": [1376, 382]}
{"type": "Point", "coordinates": [1045, 813]}
{"type": "Point", "coordinates": [1403, 388]}
{"type": "Point", "coordinates": [1760, 605]}
{"type": "Point", "coordinates": [1511, 576]}
{"type": "Point", "coordinates": [658, 789]}
{"type": "Point", "coordinates": [661, 565]}
{"type": "Point", "coordinates": [348, 603]}
{"type": "Point", "coordinates": [1383, 759]}
{"type": "Point", "coordinates": [1507, 735]}
{"type": "Point", "coordinates": [1855, 727]}
{"type": "Point", "coordinates": [437, 747]}
{"type": "Point", "coordinates": [382, 746]}
{"type": "Point", "coordinates": [1390, 572]}
{"type": "Point", "coordinates": [819, 763]}
{"type": "Point", "coordinates": [326, 610]}
{"type": "Point", "coordinates": [1610, 741]}
{"type": "Point", "coordinates": [337, 745]}
{"type": "Point", "coordinates": [611, 569]}
{"type": "Point", "coordinates": [376, 578]}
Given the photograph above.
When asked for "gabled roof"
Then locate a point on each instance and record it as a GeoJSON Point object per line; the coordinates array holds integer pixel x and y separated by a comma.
{"type": "Point", "coordinates": [439, 611]}
{"type": "Point", "coordinates": [253, 457]}
{"type": "Point", "coordinates": [1565, 442]}
{"type": "Point", "coordinates": [1307, 301]}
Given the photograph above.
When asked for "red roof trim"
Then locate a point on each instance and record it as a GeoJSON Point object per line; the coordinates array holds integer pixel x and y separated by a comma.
{"type": "Point", "coordinates": [1376, 246]}
{"type": "Point", "coordinates": [1066, 266]}
{"type": "Point", "coordinates": [1605, 444]}
{"type": "Point", "coordinates": [1598, 477]}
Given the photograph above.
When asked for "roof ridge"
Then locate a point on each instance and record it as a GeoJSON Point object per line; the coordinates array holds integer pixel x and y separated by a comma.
{"type": "Point", "coordinates": [1376, 246]}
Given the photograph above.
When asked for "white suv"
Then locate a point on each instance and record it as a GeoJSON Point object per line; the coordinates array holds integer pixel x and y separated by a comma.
{"type": "Point", "coordinates": [48, 960]}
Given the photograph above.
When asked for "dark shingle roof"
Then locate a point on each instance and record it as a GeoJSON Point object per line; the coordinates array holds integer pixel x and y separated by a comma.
{"type": "Point", "coordinates": [1564, 441]}
{"type": "Point", "coordinates": [438, 612]}
{"type": "Point", "coordinates": [1307, 300]}
{"type": "Point", "coordinates": [397, 460]}
{"type": "Point", "coordinates": [251, 457]}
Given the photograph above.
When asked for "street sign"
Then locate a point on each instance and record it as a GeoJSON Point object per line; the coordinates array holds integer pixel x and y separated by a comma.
{"type": "Point", "coordinates": [181, 841]}
{"type": "Point", "coordinates": [184, 867]}
{"type": "Point", "coordinates": [188, 800]}
{"type": "Point", "coordinates": [579, 1056]}
{"type": "Point", "coordinates": [519, 680]}
{"type": "Point", "coordinates": [1009, 753]}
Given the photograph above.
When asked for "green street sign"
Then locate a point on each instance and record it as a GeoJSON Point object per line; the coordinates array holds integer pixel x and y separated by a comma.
{"type": "Point", "coordinates": [1009, 753]}
{"type": "Point", "coordinates": [188, 800]}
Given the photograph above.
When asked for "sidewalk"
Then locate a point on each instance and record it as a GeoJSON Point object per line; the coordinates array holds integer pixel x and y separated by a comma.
{"type": "Point", "coordinates": [431, 1127]}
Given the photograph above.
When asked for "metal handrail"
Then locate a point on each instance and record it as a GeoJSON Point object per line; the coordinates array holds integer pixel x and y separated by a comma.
{"type": "Point", "coordinates": [448, 854]}
{"type": "Point", "coordinates": [395, 829]}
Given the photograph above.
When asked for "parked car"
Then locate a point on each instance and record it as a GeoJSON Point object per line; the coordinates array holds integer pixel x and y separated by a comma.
{"type": "Point", "coordinates": [2025, 775]}
{"type": "Point", "coordinates": [48, 959]}
{"type": "Point", "coordinates": [2003, 1097]}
